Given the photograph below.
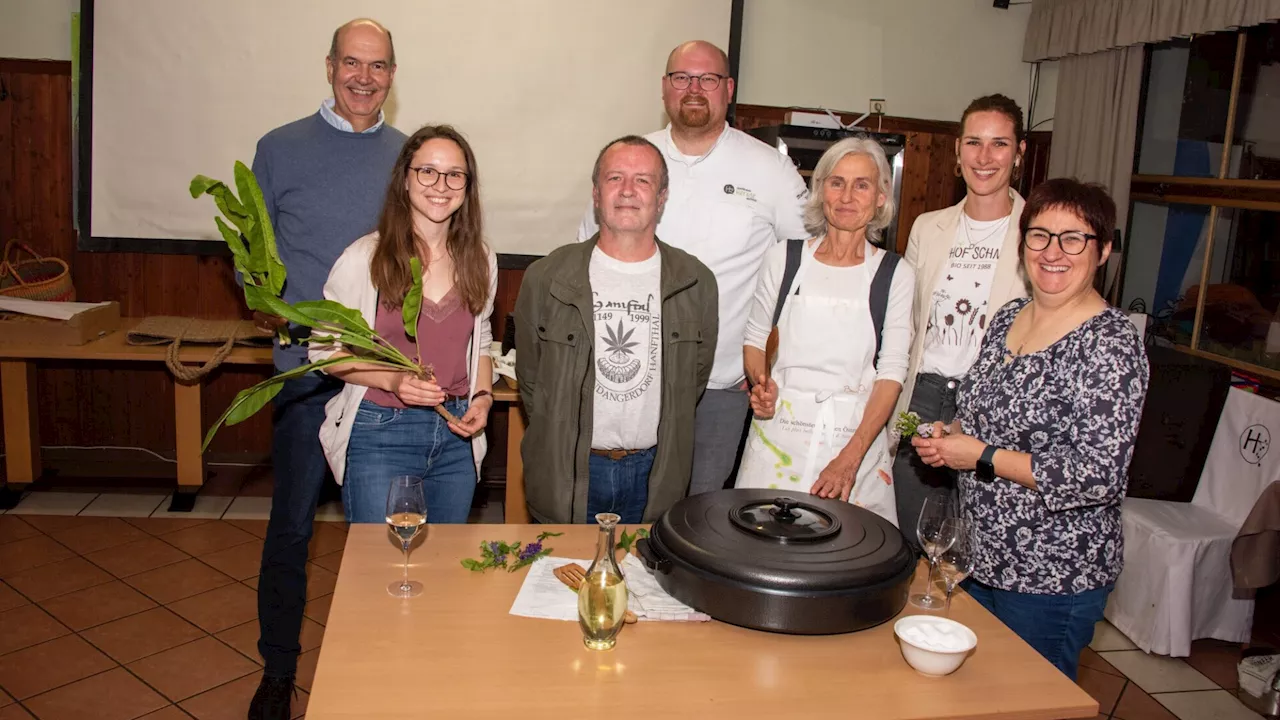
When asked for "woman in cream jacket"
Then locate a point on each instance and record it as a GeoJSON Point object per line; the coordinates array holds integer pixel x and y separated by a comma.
{"type": "Point", "coordinates": [966, 262]}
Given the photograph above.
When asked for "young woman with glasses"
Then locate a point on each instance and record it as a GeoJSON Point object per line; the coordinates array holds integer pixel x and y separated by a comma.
{"type": "Point", "coordinates": [1045, 426]}
{"type": "Point", "coordinates": [385, 422]}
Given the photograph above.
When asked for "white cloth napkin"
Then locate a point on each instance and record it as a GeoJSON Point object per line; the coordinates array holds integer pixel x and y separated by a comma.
{"type": "Point", "coordinates": [542, 595]}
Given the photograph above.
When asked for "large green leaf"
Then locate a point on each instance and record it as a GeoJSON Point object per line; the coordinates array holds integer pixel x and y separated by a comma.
{"type": "Point", "coordinates": [334, 313]}
{"type": "Point", "coordinates": [264, 235]}
{"type": "Point", "coordinates": [413, 299]}
{"type": "Point", "coordinates": [223, 198]}
{"type": "Point", "coordinates": [251, 400]}
{"type": "Point", "coordinates": [239, 254]}
{"type": "Point", "coordinates": [261, 299]}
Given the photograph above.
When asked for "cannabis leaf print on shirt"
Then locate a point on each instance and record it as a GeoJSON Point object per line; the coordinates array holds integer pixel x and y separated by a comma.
{"type": "Point", "coordinates": [620, 363]}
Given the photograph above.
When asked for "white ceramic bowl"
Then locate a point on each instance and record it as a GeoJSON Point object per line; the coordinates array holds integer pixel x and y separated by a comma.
{"type": "Point", "coordinates": [930, 661]}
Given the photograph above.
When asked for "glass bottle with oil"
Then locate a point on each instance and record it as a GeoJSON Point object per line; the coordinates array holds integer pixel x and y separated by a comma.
{"type": "Point", "coordinates": [602, 598]}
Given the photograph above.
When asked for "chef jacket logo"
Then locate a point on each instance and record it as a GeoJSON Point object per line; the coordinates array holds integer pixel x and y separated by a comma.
{"type": "Point", "coordinates": [1254, 443]}
{"type": "Point", "coordinates": [741, 192]}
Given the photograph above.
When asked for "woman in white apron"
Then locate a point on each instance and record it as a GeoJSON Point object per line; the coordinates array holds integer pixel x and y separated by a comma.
{"type": "Point", "coordinates": [821, 410]}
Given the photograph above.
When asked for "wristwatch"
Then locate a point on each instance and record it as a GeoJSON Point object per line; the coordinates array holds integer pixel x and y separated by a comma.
{"type": "Point", "coordinates": [986, 469]}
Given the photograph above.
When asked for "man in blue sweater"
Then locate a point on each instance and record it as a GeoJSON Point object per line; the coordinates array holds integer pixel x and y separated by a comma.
{"type": "Point", "coordinates": [323, 178]}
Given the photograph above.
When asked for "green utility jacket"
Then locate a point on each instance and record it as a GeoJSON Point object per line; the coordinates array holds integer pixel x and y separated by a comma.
{"type": "Point", "coordinates": [555, 369]}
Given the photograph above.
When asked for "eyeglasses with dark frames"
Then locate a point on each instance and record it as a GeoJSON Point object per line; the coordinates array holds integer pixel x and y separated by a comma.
{"type": "Point", "coordinates": [429, 176]}
{"type": "Point", "coordinates": [1072, 242]}
{"type": "Point", "coordinates": [707, 81]}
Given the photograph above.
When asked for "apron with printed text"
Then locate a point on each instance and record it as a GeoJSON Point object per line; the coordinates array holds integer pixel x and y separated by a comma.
{"type": "Point", "coordinates": [825, 371]}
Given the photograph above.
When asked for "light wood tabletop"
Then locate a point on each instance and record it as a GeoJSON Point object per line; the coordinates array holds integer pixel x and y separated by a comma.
{"type": "Point", "coordinates": [456, 652]}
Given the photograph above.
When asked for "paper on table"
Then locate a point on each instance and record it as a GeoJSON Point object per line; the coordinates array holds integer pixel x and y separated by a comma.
{"type": "Point", "coordinates": [46, 308]}
{"type": "Point", "coordinates": [542, 595]}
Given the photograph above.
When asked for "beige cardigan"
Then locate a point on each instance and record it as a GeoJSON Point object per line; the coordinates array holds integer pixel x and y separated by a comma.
{"type": "Point", "coordinates": [350, 284]}
{"type": "Point", "coordinates": [929, 250]}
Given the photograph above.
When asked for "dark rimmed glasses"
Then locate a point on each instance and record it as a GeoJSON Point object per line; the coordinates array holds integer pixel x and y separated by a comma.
{"type": "Point", "coordinates": [429, 176]}
{"type": "Point", "coordinates": [1072, 242]}
{"type": "Point", "coordinates": [706, 81]}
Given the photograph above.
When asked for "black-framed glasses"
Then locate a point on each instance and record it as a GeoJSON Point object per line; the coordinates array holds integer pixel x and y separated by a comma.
{"type": "Point", "coordinates": [1072, 242]}
{"type": "Point", "coordinates": [707, 81]}
{"type": "Point", "coordinates": [429, 176]}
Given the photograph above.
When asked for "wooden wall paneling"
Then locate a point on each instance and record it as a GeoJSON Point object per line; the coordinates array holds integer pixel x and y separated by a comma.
{"type": "Point", "coordinates": [7, 216]}
{"type": "Point", "coordinates": [915, 186]}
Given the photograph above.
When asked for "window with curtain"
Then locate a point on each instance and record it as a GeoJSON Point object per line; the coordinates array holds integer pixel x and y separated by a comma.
{"type": "Point", "coordinates": [1204, 224]}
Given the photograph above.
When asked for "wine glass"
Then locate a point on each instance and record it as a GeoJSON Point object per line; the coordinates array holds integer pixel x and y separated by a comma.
{"type": "Point", "coordinates": [955, 564]}
{"type": "Point", "coordinates": [406, 514]}
{"type": "Point", "coordinates": [937, 529]}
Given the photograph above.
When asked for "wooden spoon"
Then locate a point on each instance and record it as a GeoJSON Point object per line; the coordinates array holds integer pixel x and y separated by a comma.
{"type": "Point", "coordinates": [573, 575]}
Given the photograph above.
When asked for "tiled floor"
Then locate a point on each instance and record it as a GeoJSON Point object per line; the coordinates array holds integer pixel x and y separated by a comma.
{"type": "Point", "coordinates": [112, 607]}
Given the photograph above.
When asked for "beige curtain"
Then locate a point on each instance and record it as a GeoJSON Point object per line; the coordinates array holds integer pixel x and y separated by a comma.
{"type": "Point", "coordinates": [1095, 124]}
{"type": "Point", "coordinates": [1058, 28]}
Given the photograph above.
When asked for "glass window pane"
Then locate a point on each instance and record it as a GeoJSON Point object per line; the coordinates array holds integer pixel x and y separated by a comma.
{"type": "Point", "coordinates": [1255, 148]}
{"type": "Point", "coordinates": [1187, 97]}
{"type": "Point", "coordinates": [1240, 311]}
{"type": "Point", "coordinates": [1162, 262]}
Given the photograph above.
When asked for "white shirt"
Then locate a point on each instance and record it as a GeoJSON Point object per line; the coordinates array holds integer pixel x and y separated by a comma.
{"type": "Point", "coordinates": [627, 302]}
{"type": "Point", "coordinates": [333, 118]}
{"type": "Point", "coordinates": [958, 312]}
{"type": "Point", "coordinates": [727, 208]}
{"type": "Point", "coordinates": [824, 281]}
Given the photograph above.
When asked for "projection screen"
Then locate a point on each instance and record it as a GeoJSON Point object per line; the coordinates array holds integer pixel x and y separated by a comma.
{"type": "Point", "coordinates": [181, 88]}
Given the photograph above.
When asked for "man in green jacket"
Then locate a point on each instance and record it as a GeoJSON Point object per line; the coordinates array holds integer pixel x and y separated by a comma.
{"type": "Point", "coordinates": [615, 338]}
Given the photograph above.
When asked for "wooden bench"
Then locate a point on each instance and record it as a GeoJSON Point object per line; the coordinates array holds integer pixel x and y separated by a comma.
{"type": "Point", "coordinates": [22, 426]}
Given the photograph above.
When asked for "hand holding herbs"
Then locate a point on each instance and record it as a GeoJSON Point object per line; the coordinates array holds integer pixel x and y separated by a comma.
{"type": "Point", "coordinates": [254, 254]}
{"type": "Point", "coordinates": [908, 424]}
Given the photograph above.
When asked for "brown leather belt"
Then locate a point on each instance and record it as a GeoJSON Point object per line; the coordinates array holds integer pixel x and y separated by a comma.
{"type": "Point", "coordinates": [615, 454]}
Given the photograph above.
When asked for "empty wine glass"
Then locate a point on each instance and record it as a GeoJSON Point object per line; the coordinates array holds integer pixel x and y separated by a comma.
{"type": "Point", "coordinates": [406, 514]}
{"type": "Point", "coordinates": [936, 536]}
{"type": "Point", "coordinates": [955, 564]}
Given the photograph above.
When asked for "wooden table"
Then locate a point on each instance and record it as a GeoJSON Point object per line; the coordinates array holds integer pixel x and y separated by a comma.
{"type": "Point", "coordinates": [455, 652]}
{"type": "Point", "coordinates": [21, 409]}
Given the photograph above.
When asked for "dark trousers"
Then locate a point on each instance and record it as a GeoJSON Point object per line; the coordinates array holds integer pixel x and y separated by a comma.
{"type": "Point", "coordinates": [300, 470]}
{"type": "Point", "coordinates": [934, 400]}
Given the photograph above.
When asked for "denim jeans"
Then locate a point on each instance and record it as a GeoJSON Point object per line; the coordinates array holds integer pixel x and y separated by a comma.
{"type": "Point", "coordinates": [934, 400]}
{"type": "Point", "coordinates": [300, 469]}
{"type": "Point", "coordinates": [386, 442]}
{"type": "Point", "coordinates": [1057, 626]}
{"type": "Point", "coordinates": [620, 486]}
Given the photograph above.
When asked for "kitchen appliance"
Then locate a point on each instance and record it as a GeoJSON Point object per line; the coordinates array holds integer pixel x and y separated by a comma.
{"type": "Point", "coordinates": [780, 561]}
{"type": "Point", "coordinates": [805, 146]}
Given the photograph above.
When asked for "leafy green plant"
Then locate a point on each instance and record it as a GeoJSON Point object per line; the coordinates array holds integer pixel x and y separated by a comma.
{"type": "Point", "coordinates": [509, 556]}
{"type": "Point", "coordinates": [626, 542]}
{"type": "Point", "coordinates": [256, 258]}
{"type": "Point", "coordinates": [907, 424]}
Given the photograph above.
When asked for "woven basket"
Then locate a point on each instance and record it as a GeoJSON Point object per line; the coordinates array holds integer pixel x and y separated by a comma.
{"type": "Point", "coordinates": [37, 278]}
{"type": "Point", "coordinates": [173, 331]}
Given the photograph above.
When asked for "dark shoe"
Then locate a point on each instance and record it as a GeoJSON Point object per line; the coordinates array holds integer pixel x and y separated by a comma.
{"type": "Point", "coordinates": [272, 700]}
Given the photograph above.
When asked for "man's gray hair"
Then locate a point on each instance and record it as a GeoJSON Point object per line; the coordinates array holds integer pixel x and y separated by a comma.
{"type": "Point", "coordinates": [664, 178]}
{"type": "Point", "coordinates": [815, 220]}
{"type": "Point", "coordinates": [333, 44]}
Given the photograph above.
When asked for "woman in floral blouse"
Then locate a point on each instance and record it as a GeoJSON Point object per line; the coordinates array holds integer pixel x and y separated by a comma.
{"type": "Point", "coordinates": [1045, 425]}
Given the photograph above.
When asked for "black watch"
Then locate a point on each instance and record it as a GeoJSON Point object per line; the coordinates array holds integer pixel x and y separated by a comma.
{"type": "Point", "coordinates": [986, 469]}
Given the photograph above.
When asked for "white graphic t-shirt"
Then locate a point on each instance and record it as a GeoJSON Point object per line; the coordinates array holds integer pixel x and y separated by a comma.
{"type": "Point", "coordinates": [628, 352]}
{"type": "Point", "coordinates": [958, 312]}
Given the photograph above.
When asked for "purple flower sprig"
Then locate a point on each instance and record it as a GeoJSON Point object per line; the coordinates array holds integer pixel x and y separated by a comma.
{"type": "Point", "coordinates": [498, 554]}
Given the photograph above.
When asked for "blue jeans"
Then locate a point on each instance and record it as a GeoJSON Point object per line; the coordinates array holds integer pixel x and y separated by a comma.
{"type": "Point", "coordinates": [300, 469]}
{"type": "Point", "coordinates": [620, 486]}
{"type": "Point", "coordinates": [1057, 626]}
{"type": "Point", "coordinates": [386, 442]}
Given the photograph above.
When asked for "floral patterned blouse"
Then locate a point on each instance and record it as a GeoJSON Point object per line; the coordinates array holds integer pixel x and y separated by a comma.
{"type": "Point", "coordinates": [1075, 407]}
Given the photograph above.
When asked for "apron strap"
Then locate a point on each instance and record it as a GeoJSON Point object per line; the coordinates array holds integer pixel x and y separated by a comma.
{"type": "Point", "coordinates": [879, 299]}
{"type": "Point", "coordinates": [794, 249]}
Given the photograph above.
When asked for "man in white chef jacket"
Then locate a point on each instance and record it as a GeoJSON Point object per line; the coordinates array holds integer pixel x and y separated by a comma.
{"type": "Point", "coordinates": [731, 198]}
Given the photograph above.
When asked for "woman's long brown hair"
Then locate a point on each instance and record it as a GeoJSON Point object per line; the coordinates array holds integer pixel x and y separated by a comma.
{"type": "Point", "coordinates": [465, 242]}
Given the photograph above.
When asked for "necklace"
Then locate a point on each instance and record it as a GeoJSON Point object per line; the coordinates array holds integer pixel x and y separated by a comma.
{"type": "Point", "coordinates": [998, 229]}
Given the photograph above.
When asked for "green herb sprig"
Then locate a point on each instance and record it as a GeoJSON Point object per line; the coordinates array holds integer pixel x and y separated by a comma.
{"type": "Point", "coordinates": [509, 556]}
{"type": "Point", "coordinates": [626, 542]}
{"type": "Point", "coordinates": [908, 423]}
